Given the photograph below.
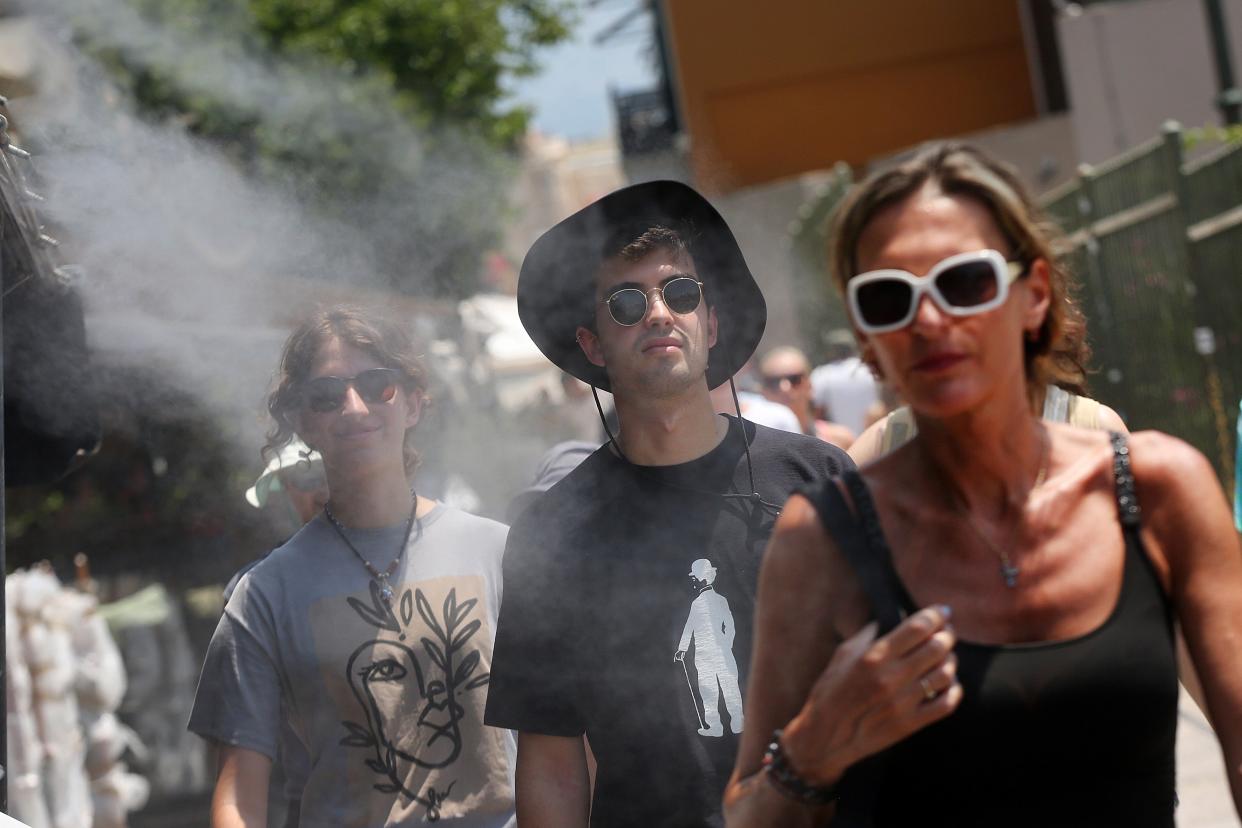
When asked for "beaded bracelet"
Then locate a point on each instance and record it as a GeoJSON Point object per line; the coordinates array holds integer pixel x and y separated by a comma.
{"type": "Point", "coordinates": [786, 780]}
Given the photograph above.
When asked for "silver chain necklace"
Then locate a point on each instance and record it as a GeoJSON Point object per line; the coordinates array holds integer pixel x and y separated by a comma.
{"type": "Point", "coordinates": [380, 578]}
{"type": "Point", "coordinates": [1009, 571]}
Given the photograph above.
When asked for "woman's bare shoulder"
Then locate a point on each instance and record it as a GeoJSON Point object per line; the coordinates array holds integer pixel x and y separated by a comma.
{"type": "Point", "coordinates": [868, 445]}
{"type": "Point", "coordinates": [802, 559]}
{"type": "Point", "coordinates": [1162, 465]}
{"type": "Point", "coordinates": [1162, 458]}
{"type": "Point", "coordinates": [799, 541]}
{"type": "Point", "coordinates": [1177, 487]}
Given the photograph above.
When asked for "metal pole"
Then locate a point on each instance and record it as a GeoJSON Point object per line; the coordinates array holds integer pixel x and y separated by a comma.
{"type": "Point", "coordinates": [1230, 98]}
{"type": "Point", "coordinates": [668, 83]}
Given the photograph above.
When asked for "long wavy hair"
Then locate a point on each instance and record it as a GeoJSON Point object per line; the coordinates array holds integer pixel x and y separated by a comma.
{"type": "Point", "coordinates": [371, 333]}
{"type": "Point", "coordinates": [1059, 353]}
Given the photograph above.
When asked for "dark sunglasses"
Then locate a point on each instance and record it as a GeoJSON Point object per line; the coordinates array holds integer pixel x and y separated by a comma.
{"type": "Point", "coordinates": [628, 306]}
{"type": "Point", "coordinates": [794, 380]}
{"type": "Point", "coordinates": [325, 394]}
{"type": "Point", "coordinates": [961, 285]}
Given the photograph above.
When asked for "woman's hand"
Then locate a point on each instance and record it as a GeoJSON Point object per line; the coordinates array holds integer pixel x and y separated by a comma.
{"type": "Point", "coordinates": [837, 700]}
{"type": "Point", "coordinates": [874, 693]}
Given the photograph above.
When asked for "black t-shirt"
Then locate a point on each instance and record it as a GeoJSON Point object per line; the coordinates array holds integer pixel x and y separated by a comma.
{"type": "Point", "coordinates": [627, 613]}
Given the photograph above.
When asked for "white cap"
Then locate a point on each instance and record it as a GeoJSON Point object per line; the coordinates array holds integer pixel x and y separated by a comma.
{"type": "Point", "coordinates": [293, 453]}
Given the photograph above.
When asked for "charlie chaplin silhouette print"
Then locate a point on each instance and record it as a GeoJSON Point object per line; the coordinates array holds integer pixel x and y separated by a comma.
{"type": "Point", "coordinates": [710, 626]}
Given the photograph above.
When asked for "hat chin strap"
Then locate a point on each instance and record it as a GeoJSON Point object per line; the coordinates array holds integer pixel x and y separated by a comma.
{"type": "Point", "coordinates": [754, 495]}
{"type": "Point", "coordinates": [604, 421]}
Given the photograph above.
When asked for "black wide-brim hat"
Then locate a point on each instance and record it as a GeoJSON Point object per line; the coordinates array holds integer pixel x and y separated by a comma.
{"type": "Point", "coordinates": [556, 288]}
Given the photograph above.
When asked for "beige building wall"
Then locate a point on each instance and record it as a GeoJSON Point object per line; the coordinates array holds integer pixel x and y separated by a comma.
{"type": "Point", "coordinates": [1043, 150]}
{"type": "Point", "coordinates": [556, 178]}
{"type": "Point", "coordinates": [1131, 66]}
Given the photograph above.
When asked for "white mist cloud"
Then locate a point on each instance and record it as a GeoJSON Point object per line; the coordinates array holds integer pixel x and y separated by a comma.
{"type": "Point", "coordinates": [194, 266]}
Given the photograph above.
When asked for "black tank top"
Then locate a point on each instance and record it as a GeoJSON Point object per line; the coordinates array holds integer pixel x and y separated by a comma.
{"type": "Point", "coordinates": [1078, 732]}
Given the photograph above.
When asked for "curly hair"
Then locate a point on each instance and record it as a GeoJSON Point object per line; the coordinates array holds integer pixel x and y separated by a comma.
{"type": "Point", "coordinates": [1059, 353]}
{"type": "Point", "coordinates": [373, 334]}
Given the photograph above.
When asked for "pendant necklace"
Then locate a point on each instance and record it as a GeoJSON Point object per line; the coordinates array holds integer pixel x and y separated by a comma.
{"type": "Point", "coordinates": [1009, 571]}
{"type": "Point", "coordinates": [380, 579]}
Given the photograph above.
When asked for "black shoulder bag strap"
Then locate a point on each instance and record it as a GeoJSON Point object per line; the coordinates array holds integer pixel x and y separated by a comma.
{"type": "Point", "coordinates": [860, 787]}
{"type": "Point", "coordinates": [851, 536]}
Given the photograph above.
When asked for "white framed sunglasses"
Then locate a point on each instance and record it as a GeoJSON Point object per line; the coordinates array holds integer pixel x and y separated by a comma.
{"type": "Point", "coordinates": [961, 285]}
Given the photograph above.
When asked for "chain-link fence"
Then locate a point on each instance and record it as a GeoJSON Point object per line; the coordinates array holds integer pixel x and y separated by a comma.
{"type": "Point", "coordinates": [1156, 244]}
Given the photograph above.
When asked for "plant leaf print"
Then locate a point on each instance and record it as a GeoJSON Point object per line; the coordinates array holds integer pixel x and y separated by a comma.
{"type": "Point", "coordinates": [467, 666]}
{"type": "Point", "coordinates": [407, 608]}
{"type": "Point", "coordinates": [379, 614]}
{"type": "Point", "coordinates": [390, 676]}
{"type": "Point", "coordinates": [424, 609]}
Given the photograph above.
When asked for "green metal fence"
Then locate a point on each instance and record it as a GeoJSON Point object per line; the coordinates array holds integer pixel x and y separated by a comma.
{"type": "Point", "coordinates": [1156, 244]}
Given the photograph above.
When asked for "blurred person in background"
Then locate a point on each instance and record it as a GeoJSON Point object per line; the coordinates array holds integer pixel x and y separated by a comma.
{"type": "Point", "coordinates": [753, 405]}
{"type": "Point", "coordinates": [983, 632]}
{"type": "Point", "coordinates": [370, 632]}
{"type": "Point", "coordinates": [844, 385]}
{"type": "Point", "coordinates": [555, 463]}
{"type": "Point", "coordinates": [785, 377]}
{"type": "Point", "coordinates": [629, 584]}
{"type": "Point", "coordinates": [576, 414]}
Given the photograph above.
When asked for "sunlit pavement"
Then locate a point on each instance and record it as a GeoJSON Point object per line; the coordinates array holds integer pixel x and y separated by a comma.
{"type": "Point", "coordinates": [1201, 786]}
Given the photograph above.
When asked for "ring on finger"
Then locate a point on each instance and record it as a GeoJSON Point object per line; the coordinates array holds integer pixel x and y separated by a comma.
{"type": "Point", "coordinates": [929, 692]}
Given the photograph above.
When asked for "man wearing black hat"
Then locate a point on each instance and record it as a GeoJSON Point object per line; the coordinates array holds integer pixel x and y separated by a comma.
{"type": "Point", "coordinates": [644, 293]}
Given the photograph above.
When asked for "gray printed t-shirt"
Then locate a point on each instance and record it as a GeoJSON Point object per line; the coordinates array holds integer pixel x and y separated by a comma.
{"type": "Point", "coordinates": [388, 702]}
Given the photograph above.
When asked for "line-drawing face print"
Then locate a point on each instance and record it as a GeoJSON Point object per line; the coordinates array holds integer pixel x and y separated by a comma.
{"type": "Point", "coordinates": [412, 716]}
{"type": "Point", "coordinates": [710, 626]}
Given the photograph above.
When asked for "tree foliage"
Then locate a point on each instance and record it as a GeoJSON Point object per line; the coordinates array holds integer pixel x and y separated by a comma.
{"type": "Point", "coordinates": [446, 58]}
{"type": "Point", "coordinates": [387, 114]}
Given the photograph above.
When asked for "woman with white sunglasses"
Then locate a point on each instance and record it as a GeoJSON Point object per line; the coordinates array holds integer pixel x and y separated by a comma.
{"type": "Point", "coordinates": [979, 628]}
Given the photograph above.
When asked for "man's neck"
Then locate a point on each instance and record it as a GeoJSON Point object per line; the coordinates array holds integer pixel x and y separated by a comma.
{"type": "Point", "coordinates": [665, 432]}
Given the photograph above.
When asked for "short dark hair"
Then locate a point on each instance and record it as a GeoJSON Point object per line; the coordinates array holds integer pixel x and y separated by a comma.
{"type": "Point", "coordinates": [636, 241]}
{"type": "Point", "coordinates": [371, 333]}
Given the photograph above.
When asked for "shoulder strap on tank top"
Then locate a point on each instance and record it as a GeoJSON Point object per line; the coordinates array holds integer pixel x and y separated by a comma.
{"type": "Point", "coordinates": [1128, 509]}
{"type": "Point", "coordinates": [1084, 412]}
{"type": "Point", "coordinates": [1057, 404]}
{"type": "Point", "coordinates": [899, 429]}
{"type": "Point", "coordinates": [854, 536]}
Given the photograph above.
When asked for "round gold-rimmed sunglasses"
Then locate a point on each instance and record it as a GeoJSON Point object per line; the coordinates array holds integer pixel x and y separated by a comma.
{"type": "Point", "coordinates": [628, 306]}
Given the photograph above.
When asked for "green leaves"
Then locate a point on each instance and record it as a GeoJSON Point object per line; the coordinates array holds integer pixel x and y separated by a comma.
{"type": "Point", "coordinates": [387, 115]}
